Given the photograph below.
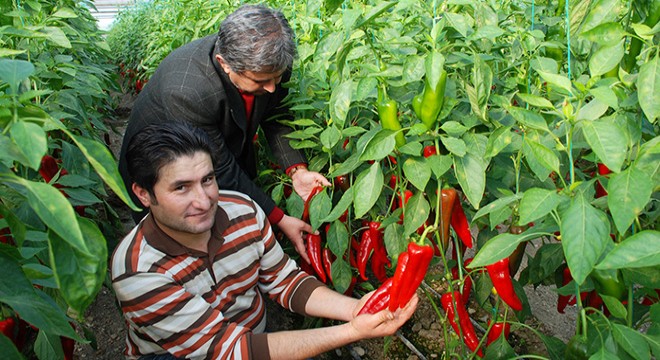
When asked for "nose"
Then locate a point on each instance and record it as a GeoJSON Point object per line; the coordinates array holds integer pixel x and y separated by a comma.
{"type": "Point", "coordinates": [201, 199]}
{"type": "Point", "coordinates": [270, 86]}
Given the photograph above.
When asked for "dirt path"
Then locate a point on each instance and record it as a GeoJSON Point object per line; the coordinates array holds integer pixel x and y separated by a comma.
{"type": "Point", "coordinates": [105, 321]}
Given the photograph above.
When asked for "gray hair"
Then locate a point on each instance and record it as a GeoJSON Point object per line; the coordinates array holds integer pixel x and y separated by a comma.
{"type": "Point", "coordinates": [256, 38]}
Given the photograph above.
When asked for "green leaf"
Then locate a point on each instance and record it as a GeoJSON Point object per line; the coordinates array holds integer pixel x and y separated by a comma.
{"type": "Point", "coordinates": [542, 155]}
{"type": "Point", "coordinates": [648, 159]}
{"type": "Point", "coordinates": [603, 354]}
{"type": "Point", "coordinates": [330, 137]}
{"type": "Point", "coordinates": [415, 214]}
{"type": "Point", "coordinates": [604, 137]}
{"type": "Point", "coordinates": [79, 274]}
{"type": "Point", "coordinates": [592, 111]}
{"type": "Point", "coordinates": [605, 34]}
{"type": "Point", "coordinates": [337, 238]}
{"type": "Point", "coordinates": [341, 207]}
{"type": "Point", "coordinates": [639, 250]}
{"type": "Point", "coordinates": [615, 306]}
{"type": "Point", "coordinates": [631, 341]}
{"type": "Point", "coordinates": [57, 36]}
{"type": "Point", "coordinates": [31, 140]}
{"type": "Point", "coordinates": [53, 209]}
{"type": "Point", "coordinates": [14, 71]}
{"type": "Point", "coordinates": [470, 171]}
{"type": "Point", "coordinates": [498, 141]}
{"type": "Point", "coordinates": [341, 275]}
{"type": "Point", "coordinates": [585, 232]}
{"type": "Point", "coordinates": [379, 146]}
{"type": "Point", "coordinates": [439, 164]}
{"type": "Point", "coordinates": [605, 59]}
{"type": "Point", "coordinates": [536, 203]}
{"type": "Point", "coordinates": [500, 247]}
{"type": "Point", "coordinates": [497, 205]}
{"type": "Point", "coordinates": [319, 208]}
{"type": "Point", "coordinates": [535, 100]}
{"type": "Point", "coordinates": [65, 13]}
{"type": "Point", "coordinates": [105, 165]}
{"type": "Point", "coordinates": [555, 346]}
{"type": "Point", "coordinates": [34, 306]}
{"type": "Point", "coordinates": [395, 241]}
{"type": "Point", "coordinates": [558, 81]}
{"type": "Point", "coordinates": [605, 95]}
{"type": "Point", "coordinates": [9, 350]}
{"type": "Point", "coordinates": [648, 88]}
{"type": "Point", "coordinates": [645, 276]}
{"type": "Point", "coordinates": [458, 22]}
{"type": "Point", "coordinates": [528, 118]}
{"type": "Point", "coordinates": [368, 187]}
{"type": "Point", "coordinates": [340, 102]}
{"type": "Point", "coordinates": [417, 172]}
{"type": "Point", "coordinates": [628, 193]}
{"type": "Point", "coordinates": [454, 145]}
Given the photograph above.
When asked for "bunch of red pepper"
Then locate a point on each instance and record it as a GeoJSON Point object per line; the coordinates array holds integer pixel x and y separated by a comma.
{"type": "Point", "coordinates": [372, 243]}
{"type": "Point", "coordinates": [48, 170]}
{"type": "Point", "coordinates": [397, 291]}
{"type": "Point", "coordinates": [459, 319]}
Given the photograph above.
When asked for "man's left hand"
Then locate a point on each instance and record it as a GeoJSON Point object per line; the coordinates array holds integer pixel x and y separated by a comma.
{"type": "Point", "coordinates": [304, 181]}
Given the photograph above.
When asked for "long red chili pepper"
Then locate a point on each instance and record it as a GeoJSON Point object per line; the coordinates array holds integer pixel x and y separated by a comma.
{"type": "Point", "coordinates": [460, 224]}
{"type": "Point", "coordinates": [498, 328]}
{"type": "Point", "coordinates": [380, 262]}
{"type": "Point", "coordinates": [467, 284]}
{"type": "Point", "coordinates": [420, 258]}
{"type": "Point", "coordinates": [314, 253]}
{"type": "Point", "coordinates": [466, 328]}
{"type": "Point", "coordinates": [378, 300]}
{"type": "Point", "coordinates": [397, 280]}
{"type": "Point", "coordinates": [327, 257]}
{"type": "Point", "coordinates": [367, 244]}
{"type": "Point", "coordinates": [501, 278]}
{"type": "Point", "coordinates": [315, 191]}
{"type": "Point", "coordinates": [603, 170]}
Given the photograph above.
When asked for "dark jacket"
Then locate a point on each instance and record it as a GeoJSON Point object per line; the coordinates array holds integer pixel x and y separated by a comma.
{"type": "Point", "coordinates": [189, 85]}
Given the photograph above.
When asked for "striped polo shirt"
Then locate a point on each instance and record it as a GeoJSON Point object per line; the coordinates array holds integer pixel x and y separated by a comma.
{"type": "Point", "coordinates": [199, 305]}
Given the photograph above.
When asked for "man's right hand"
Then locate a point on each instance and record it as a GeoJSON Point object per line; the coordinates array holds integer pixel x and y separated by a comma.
{"type": "Point", "coordinates": [294, 229]}
{"type": "Point", "coordinates": [383, 323]}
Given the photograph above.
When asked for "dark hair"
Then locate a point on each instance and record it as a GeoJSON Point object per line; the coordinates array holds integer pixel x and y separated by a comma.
{"type": "Point", "coordinates": [158, 145]}
{"type": "Point", "coordinates": [256, 38]}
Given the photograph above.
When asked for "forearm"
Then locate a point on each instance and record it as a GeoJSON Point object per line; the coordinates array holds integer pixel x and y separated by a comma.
{"type": "Point", "coordinates": [304, 344]}
{"type": "Point", "coordinates": [329, 304]}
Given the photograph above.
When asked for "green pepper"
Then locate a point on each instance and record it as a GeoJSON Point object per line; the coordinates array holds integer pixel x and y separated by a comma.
{"type": "Point", "coordinates": [432, 99]}
{"type": "Point", "coordinates": [577, 348]}
{"type": "Point", "coordinates": [608, 282]}
{"type": "Point", "coordinates": [652, 18]}
{"type": "Point", "coordinates": [389, 115]}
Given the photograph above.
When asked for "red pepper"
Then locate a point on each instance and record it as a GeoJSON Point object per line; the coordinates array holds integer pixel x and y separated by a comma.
{"type": "Point", "coordinates": [327, 257]}
{"type": "Point", "coordinates": [397, 280]}
{"type": "Point", "coordinates": [460, 224]}
{"type": "Point", "coordinates": [429, 151]}
{"type": "Point", "coordinates": [314, 253]}
{"type": "Point", "coordinates": [447, 206]}
{"type": "Point", "coordinates": [393, 179]}
{"type": "Point", "coordinates": [379, 299]}
{"type": "Point", "coordinates": [409, 274]}
{"type": "Point", "coordinates": [67, 347]}
{"type": "Point", "coordinates": [349, 291]}
{"type": "Point", "coordinates": [498, 328]}
{"type": "Point", "coordinates": [305, 215]}
{"type": "Point", "coordinates": [466, 328]}
{"type": "Point", "coordinates": [603, 171]}
{"type": "Point", "coordinates": [501, 278]}
{"type": "Point", "coordinates": [367, 243]}
{"type": "Point", "coordinates": [563, 300]}
{"type": "Point", "coordinates": [342, 182]}
{"type": "Point", "coordinates": [7, 327]}
{"type": "Point", "coordinates": [380, 262]}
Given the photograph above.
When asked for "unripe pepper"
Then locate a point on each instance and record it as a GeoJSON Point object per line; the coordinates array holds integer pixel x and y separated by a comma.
{"type": "Point", "coordinates": [608, 282]}
{"type": "Point", "coordinates": [501, 278]}
{"type": "Point", "coordinates": [515, 259]}
{"type": "Point", "coordinates": [388, 113]}
{"type": "Point", "coordinates": [466, 328]}
{"type": "Point", "coordinates": [431, 102]}
{"type": "Point", "coordinates": [577, 348]}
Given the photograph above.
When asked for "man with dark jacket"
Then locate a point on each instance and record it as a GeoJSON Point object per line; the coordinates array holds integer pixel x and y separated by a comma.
{"type": "Point", "coordinates": [229, 84]}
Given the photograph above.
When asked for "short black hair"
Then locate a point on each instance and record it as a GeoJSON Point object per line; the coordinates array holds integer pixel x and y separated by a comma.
{"type": "Point", "coordinates": [157, 145]}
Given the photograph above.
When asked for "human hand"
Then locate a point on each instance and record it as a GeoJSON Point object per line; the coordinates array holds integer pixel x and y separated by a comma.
{"type": "Point", "coordinates": [304, 181]}
{"type": "Point", "coordinates": [383, 323]}
{"type": "Point", "coordinates": [293, 228]}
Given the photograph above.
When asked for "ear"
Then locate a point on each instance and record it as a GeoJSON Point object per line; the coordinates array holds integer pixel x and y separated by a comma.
{"type": "Point", "coordinates": [142, 194]}
{"type": "Point", "coordinates": [222, 63]}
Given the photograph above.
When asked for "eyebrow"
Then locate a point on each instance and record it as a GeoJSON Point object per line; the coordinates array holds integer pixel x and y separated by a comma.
{"type": "Point", "coordinates": [178, 183]}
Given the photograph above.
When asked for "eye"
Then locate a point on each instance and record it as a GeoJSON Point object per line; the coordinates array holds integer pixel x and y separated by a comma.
{"type": "Point", "coordinates": [209, 179]}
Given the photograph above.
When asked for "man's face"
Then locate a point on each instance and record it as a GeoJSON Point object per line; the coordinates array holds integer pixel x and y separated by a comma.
{"type": "Point", "coordinates": [256, 83]}
{"type": "Point", "coordinates": [185, 197]}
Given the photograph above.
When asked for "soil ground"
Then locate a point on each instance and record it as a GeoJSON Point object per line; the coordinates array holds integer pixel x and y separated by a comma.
{"type": "Point", "coordinates": [421, 338]}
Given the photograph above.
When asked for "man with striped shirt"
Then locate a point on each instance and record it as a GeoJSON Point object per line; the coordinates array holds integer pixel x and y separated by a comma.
{"type": "Point", "coordinates": [191, 275]}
